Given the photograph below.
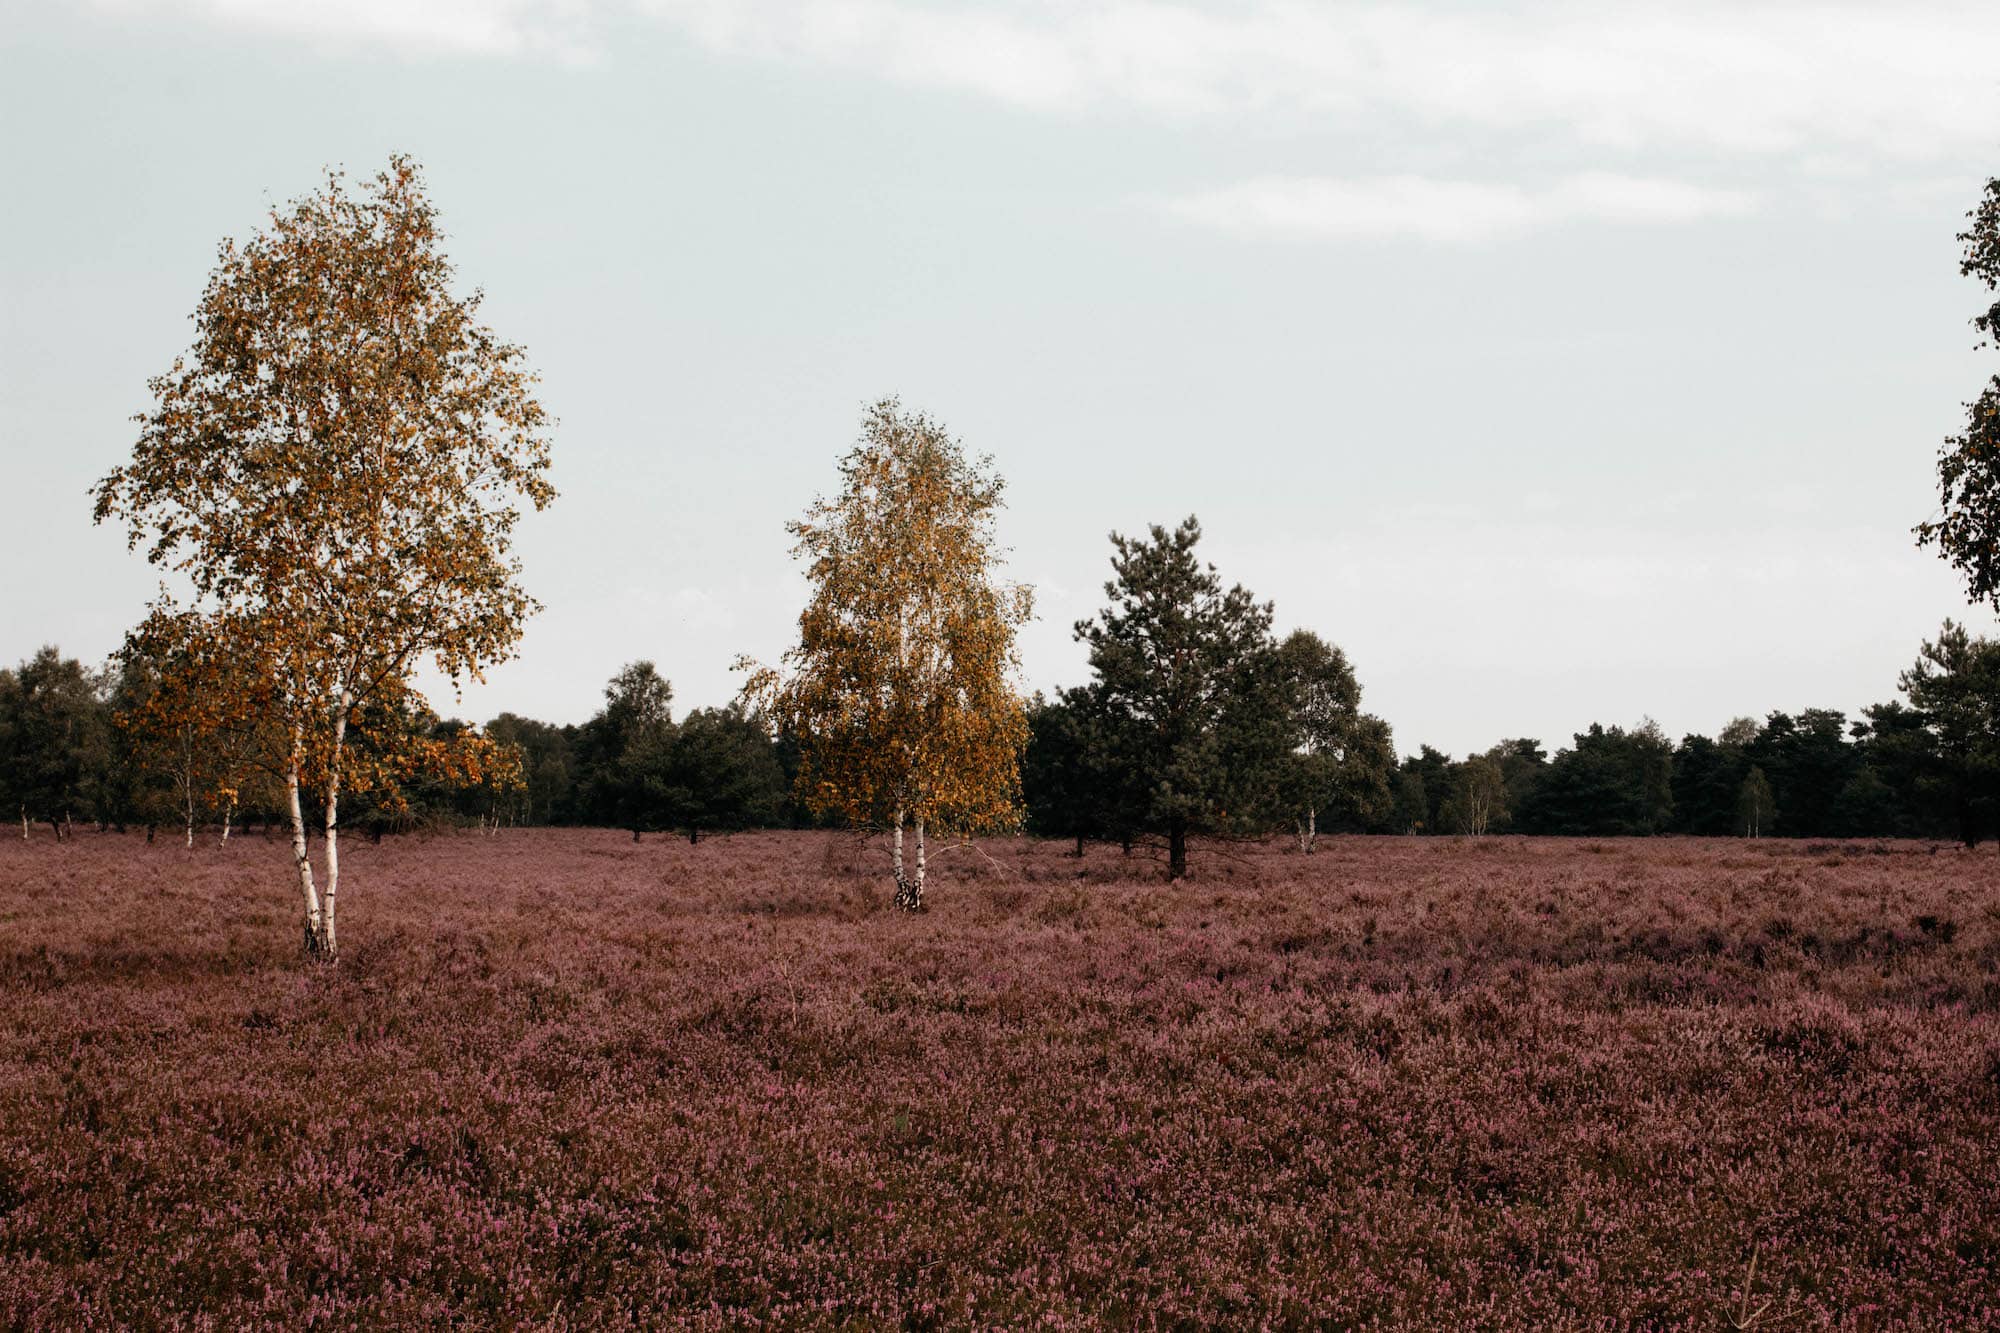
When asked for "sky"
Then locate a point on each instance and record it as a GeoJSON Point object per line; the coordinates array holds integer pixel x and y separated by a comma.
{"type": "Point", "coordinates": [1562, 363]}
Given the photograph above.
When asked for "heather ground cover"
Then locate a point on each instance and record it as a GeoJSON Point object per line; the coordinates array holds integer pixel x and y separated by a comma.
{"type": "Point", "coordinates": [560, 1079]}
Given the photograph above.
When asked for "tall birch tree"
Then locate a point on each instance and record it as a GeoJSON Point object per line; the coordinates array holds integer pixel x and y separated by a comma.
{"type": "Point", "coordinates": [335, 470]}
{"type": "Point", "coordinates": [900, 688]}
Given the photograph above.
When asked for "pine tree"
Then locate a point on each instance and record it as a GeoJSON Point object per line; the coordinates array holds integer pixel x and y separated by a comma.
{"type": "Point", "coordinates": [1192, 688]}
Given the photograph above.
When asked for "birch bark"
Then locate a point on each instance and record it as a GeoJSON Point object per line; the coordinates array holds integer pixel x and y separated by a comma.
{"type": "Point", "coordinates": [896, 858]}
{"type": "Point", "coordinates": [330, 944]}
{"type": "Point", "coordinates": [301, 857]}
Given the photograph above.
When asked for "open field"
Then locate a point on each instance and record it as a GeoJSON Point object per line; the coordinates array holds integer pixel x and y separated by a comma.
{"type": "Point", "coordinates": [561, 1079]}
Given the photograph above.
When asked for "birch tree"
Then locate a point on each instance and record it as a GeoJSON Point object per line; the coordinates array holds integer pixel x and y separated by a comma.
{"type": "Point", "coordinates": [1478, 795]}
{"type": "Point", "coordinates": [900, 687]}
{"type": "Point", "coordinates": [404, 768]}
{"type": "Point", "coordinates": [191, 708]}
{"type": "Point", "coordinates": [1341, 758]}
{"type": "Point", "coordinates": [334, 472]}
{"type": "Point", "coordinates": [1755, 810]}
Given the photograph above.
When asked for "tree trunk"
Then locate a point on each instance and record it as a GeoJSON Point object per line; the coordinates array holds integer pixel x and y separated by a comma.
{"type": "Point", "coordinates": [190, 820]}
{"type": "Point", "coordinates": [227, 811]}
{"type": "Point", "coordinates": [315, 938]}
{"type": "Point", "coordinates": [1312, 829]}
{"type": "Point", "coordinates": [1177, 849]}
{"type": "Point", "coordinates": [24, 823]}
{"type": "Point", "coordinates": [909, 889]}
{"type": "Point", "coordinates": [332, 940]}
{"type": "Point", "coordinates": [1079, 847]}
{"type": "Point", "coordinates": [694, 837]}
{"type": "Point", "coordinates": [896, 860]}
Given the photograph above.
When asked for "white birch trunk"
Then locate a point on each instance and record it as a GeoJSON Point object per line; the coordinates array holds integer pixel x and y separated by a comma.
{"type": "Point", "coordinates": [1312, 829]}
{"type": "Point", "coordinates": [300, 856]}
{"type": "Point", "coordinates": [916, 903]}
{"type": "Point", "coordinates": [24, 823]}
{"type": "Point", "coordinates": [227, 811]}
{"type": "Point", "coordinates": [896, 857]}
{"type": "Point", "coordinates": [332, 943]}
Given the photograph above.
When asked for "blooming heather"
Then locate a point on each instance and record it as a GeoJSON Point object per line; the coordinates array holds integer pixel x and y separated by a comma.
{"type": "Point", "coordinates": [560, 1079]}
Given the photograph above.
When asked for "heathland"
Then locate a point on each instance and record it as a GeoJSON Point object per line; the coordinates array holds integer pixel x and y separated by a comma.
{"type": "Point", "coordinates": [559, 1078]}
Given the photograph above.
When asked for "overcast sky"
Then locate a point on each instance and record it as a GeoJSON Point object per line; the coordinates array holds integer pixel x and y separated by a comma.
{"type": "Point", "coordinates": [1562, 363]}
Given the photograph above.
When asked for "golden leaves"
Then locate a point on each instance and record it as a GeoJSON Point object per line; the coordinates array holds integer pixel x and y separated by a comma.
{"type": "Point", "coordinates": [336, 467]}
{"type": "Point", "coordinates": [899, 688]}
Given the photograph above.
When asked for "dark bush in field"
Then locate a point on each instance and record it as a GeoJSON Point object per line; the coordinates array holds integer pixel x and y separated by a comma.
{"type": "Point", "coordinates": [558, 1078]}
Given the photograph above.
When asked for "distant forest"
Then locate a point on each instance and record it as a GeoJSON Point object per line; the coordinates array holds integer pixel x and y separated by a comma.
{"type": "Point", "coordinates": [1926, 764]}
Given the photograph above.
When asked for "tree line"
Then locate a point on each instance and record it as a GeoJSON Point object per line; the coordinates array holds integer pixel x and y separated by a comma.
{"type": "Point", "coordinates": [90, 745]}
{"type": "Point", "coordinates": [79, 745]}
{"type": "Point", "coordinates": [1285, 747]}
{"type": "Point", "coordinates": [331, 476]}
{"type": "Point", "coordinates": [1280, 745]}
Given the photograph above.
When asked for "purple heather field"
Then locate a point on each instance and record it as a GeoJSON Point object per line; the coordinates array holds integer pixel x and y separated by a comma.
{"type": "Point", "coordinates": [561, 1080]}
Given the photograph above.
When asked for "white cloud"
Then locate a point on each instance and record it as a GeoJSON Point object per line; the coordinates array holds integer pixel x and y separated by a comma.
{"type": "Point", "coordinates": [1419, 207]}
{"type": "Point", "coordinates": [1913, 81]}
{"type": "Point", "coordinates": [562, 29]}
{"type": "Point", "coordinates": [1909, 81]}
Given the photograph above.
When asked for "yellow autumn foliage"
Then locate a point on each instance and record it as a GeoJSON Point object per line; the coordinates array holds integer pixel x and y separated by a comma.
{"type": "Point", "coordinates": [900, 689]}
